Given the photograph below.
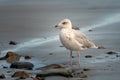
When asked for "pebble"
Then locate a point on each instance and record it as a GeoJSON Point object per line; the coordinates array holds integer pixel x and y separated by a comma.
{"type": "Point", "coordinates": [51, 66]}
{"type": "Point", "coordinates": [111, 52]}
{"type": "Point", "coordinates": [101, 47]}
{"type": "Point", "coordinates": [76, 28]}
{"type": "Point", "coordinates": [90, 30]}
{"type": "Point", "coordinates": [86, 69]}
{"type": "Point", "coordinates": [2, 76]}
{"type": "Point", "coordinates": [22, 65]}
{"type": "Point", "coordinates": [28, 57]}
{"type": "Point", "coordinates": [50, 53]}
{"type": "Point", "coordinates": [88, 56]}
{"type": "Point", "coordinates": [11, 57]}
{"type": "Point", "coordinates": [21, 74]}
{"type": "Point", "coordinates": [12, 43]}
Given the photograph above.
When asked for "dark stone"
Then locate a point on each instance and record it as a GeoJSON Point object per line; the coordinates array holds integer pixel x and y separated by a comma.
{"type": "Point", "coordinates": [111, 53]}
{"type": "Point", "coordinates": [2, 58]}
{"type": "Point", "coordinates": [11, 57]}
{"type": "Point", "coordinates": [90, 30]}
{"type": "Point", "coordinates": [5, 67]}
{"type": "Point", "coordinates": [73, 56]}
{"type": "Point", "coordinates": [28, 57]}
{"type": "Point", "coordinates": [50, 53]}
{"type": "Point", "coordinates": [21, 74]}
{"type": "Point", "coordinates": [61, 46]}
{"type": "Point", "coordinates": [101, 47]}
{"type": "Point", "coordinates": [38, 78]}
{"type": "Point", "coordinates": [2, 76]}
{"type": "Point", "coordinates": [22, 78]}
{"type": "Point", "coordinates": [51, 66]}
{"type": "Point", "coordinates": [12, 43]}
{"type": "Point", "coordinates": [76, 28]}
{"type": "Point", "coordinates": [86, 69]}
{"type": "Point", "coordinates": [54, 72]}
{"type": "Point", "coordinates": [22, 65]}
{"type": "Point", "coordinates": [88, 56]}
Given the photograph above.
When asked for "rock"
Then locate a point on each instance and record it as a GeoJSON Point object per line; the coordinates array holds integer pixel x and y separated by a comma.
{"type": "Point", "coordinates": [79, 74]}
{"type": "Point", "coordinates": [111, 53]}
{"type": "Point", "coordinates": [88, 56]}
{"type": "Point", "coordinates": [2, 76]}
{"type": "Point", "coordinates": [2, 58]}
{"type": "Point", "coordinates": [28, 57]}
{"type": "Point", "coordinates": [12, 43]}
{"type": "Point", "coordinates": [11, 57]}
{"type": "Point", "coordinates": [54, 72]}
{"type": "Point", "coordinates": [5, 67]}
{"type": "Point", "coordinates": [86, 69]}
{"type": "Point", "coordinates": [90, 30]}
{"type": "Point", "coordinates": [21, 74]}
{"type": "Point", "coordinates": [61, 46]}
{"type": "Point", "coordinates": [73, 56]}
{"type": "Point", "coordinates": [38, 78]}
{"type": "Point", "coordinates": [58, 70]}
{"type": "Point", "coordinates": [76, 28]}
{"type": "Point", "coordinates": [22, 65]}
{"type": "Point", "coordinates": [50, 53]}
{"type": "Point", "coordinates": [51, 66]}
{"type": "Point", "coordinates": [101, 47]}
{"type": "Point", "coordinates": [22, 77]}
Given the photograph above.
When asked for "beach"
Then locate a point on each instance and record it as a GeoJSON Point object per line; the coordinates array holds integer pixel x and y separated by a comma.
{"type": "Point", "coordinates": [31, 25]}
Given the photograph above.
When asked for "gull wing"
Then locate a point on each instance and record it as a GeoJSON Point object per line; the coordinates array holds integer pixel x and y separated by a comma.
{"type": "Point", "coordinates": [83, 40]}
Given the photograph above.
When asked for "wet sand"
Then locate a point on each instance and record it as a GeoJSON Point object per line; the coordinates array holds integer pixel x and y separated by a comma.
{"type": "Point", "coordinates": [102, 66]}
{"type": "Point", "coordinates": [32, 29]}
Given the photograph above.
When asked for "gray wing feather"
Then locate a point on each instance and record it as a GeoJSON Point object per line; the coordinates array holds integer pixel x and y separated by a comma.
{"type": "Point", "coordinates": [82, 39]}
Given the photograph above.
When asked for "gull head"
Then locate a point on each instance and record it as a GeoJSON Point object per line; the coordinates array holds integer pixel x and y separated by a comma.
{"type": "Point", "coordinates": [66, 23]}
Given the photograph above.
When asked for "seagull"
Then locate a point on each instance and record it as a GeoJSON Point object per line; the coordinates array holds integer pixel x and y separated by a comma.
{"type": "Point", "coordinates": [72, 39]}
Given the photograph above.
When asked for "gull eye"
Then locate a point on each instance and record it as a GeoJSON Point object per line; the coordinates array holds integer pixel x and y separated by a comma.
{"type": "Point", "coordinates": [64, 23]}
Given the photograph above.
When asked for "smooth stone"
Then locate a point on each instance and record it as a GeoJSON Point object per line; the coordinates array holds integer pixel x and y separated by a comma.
{"type": "Point", "coordinates": [111, 52]}
{"type": "Point", "coordinates": [55, 72]}
{"type": "Point", "coordinates": [11, 57]}
{"type": "Point", "coordinates": [22, 65]}
{"type": "Point", "coordinates": [21, 74]}
{"type": "Point", "coordinates": [51, 66]}
{"type": "Point", "coordinates": [28, 57]}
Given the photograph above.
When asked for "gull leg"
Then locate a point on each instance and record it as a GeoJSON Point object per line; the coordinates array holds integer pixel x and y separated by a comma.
{"type": "Point", "coordinates": [71, 57]}
{"type": "Point", "coordinates": [78, 57]}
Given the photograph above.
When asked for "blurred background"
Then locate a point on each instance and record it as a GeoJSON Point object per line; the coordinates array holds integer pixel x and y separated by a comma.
{"type": "Point", "coordinates": [23, 19]}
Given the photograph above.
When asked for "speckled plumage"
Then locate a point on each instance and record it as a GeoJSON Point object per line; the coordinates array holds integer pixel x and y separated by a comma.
{"type": "Point", "coordinates": [72, 39]}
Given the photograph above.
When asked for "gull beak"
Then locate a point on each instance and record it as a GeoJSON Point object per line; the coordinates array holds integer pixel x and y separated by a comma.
{"type": "Point", "coordinates": [55, 26]}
